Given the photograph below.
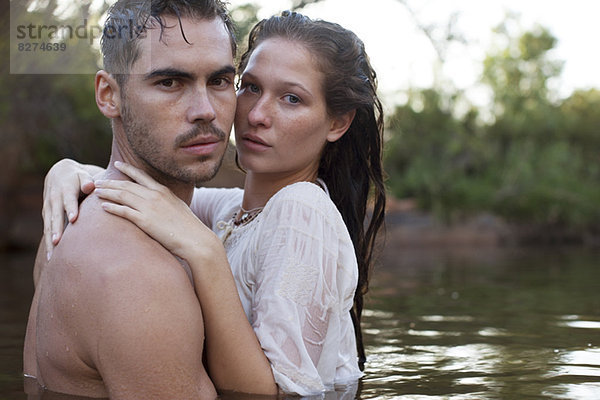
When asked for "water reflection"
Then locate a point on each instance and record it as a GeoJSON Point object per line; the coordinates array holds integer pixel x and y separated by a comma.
{"type": "Point", "coordinates": [575, 321]}
{"type": "Point", "coordinates": [496, 324]}
{"type": "Point", "coordinates": [461, 324]}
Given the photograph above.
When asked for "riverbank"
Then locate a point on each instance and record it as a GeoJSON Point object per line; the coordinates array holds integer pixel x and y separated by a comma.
{"type": "Point", "coordinates": [406, 226]}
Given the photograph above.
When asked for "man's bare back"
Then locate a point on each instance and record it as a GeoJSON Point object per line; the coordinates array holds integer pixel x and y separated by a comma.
{"type": "Point", "coordinates": [114, 309]}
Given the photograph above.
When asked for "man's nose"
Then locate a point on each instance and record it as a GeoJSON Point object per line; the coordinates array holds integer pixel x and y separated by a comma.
{"type": "Point", "coordinates": [201, 107]}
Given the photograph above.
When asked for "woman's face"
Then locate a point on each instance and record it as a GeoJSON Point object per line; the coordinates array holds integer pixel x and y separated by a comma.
{"type": "Point", "coordinates": [281, 122]}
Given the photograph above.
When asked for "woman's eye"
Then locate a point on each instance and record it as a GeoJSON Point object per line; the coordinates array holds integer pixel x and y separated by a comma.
{"type": "Point", "coordinates": [249, 88]}
{"type": "Point", "coordinates": [292, 99]}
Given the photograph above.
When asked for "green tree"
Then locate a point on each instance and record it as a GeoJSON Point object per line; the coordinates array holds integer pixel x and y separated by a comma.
{"type": "Point", "coordinates": [537, 166]}
{"type": "Point", "coordinates": [536, 162]}
{"type": "Point", "coordinates": [518, 73]}
{"type": "Point", "coordinates": [245, 17]}
{"type": "Point", "coordinates": [45, 117]}
{"type": "Point", "coordinates": [435, 157]}
{"type": "Point", "coordinates": [54, 115]}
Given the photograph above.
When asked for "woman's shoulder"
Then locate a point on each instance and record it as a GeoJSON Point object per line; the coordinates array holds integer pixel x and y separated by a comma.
{"type": "Point", "coordinates": [204, 194]}
{"type": "Point", "coordinates": [306, 199]}
{"type": "Point", "coordinates": [303, 193]}
{"type": "Point", "coordinates": [220, 191]}
{"type": "Point", "coordinates": [210, 203]}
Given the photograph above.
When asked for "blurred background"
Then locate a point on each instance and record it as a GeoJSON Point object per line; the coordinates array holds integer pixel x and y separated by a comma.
{"type": "Point", "coordinates": [488, 278]}
{"type": "Point", "coordinates": [491, 111]}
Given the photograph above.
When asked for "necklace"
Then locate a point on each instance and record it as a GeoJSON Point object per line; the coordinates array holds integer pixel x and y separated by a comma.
{"type": "Point", "coordinates": [245, 216]}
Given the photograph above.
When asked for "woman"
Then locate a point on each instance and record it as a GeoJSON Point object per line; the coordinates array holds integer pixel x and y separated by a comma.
{"type": "Point", "coordinates": [308, 131]}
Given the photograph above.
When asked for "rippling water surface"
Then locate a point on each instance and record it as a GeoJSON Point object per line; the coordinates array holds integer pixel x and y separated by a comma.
{"type": "Point", "coordinates": [438, 324]}
{"type": "Point", "coordinates": [484, 324]}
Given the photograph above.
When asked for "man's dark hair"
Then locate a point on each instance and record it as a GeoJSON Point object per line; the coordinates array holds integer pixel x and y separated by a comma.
{"type": "Point", "coordinates": [128, 20]}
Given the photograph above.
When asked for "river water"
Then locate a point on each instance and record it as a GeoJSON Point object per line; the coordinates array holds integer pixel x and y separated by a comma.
{"type": "Point", "coordinates": [469, 323]}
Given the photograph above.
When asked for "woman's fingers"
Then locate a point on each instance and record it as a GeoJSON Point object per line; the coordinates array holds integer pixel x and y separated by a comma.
{"type": "Point", "coordinates": [52, 214]}
{"type": "Point", "coordinates": [138, 175]}
{"type": "Point", "coordinates": [125, 193]}
{"type": "Point", "coordinates": [48, 229]}
{"type": "Point", "coordinates": [70, 198]}
{"type": "Point", "coordinates": [62, 187]}
{"type": "Point", "coordinates": [71, 208]}
{"type": "Point", "coordinates": [57, 220]}
{"type": "Point", "coordinates": [122, 211]}
{"type": "Point", "coordinates": [154, 209]}
{"type": "Point", "coordinates": [87, 184]}
{"type": "Point", "coordinates": [125, 186]}
{"type": "Point", "coordinates": [121, 196]}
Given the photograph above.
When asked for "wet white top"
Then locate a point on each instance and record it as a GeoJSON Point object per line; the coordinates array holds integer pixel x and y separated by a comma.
{"type": "Point", "coordinates": [296, 273]}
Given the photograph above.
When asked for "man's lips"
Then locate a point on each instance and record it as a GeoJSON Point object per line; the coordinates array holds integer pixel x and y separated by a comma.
{"type": "Point", "coordinates": [202, 146]}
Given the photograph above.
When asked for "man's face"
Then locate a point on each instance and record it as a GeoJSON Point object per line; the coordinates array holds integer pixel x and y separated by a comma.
{"type": "Point", "coordinates": [178, 103]}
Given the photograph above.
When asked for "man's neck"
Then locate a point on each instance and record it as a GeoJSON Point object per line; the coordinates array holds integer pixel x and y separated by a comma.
{"type": "Point", "coordinates": [182, 190]}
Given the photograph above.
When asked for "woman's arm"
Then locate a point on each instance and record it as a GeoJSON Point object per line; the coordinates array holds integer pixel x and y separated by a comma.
{"type": "Point", "coordinates": [63, 185]}
{"type": "Point", "coordinates": [235, 359]}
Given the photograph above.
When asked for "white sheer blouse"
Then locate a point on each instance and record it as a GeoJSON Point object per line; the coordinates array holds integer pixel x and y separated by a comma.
{"type": "Point", "coordinates": [296, 273]}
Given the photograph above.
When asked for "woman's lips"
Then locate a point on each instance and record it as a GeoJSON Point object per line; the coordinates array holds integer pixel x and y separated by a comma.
{"type": "Point", "coordinates": [254, 142]}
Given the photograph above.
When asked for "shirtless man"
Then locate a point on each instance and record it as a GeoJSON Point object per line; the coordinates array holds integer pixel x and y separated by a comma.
{"type": "Point", "coordinates": [114, 314]}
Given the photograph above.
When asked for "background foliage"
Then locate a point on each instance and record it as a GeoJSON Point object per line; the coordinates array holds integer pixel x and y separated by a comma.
{"type": "Point", "coordinates": [530, 157]}
{"type": "Point", "coordinates": [535, 159]}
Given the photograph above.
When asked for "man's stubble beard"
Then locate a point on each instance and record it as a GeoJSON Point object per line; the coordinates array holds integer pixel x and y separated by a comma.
{"type": "Point", "coordinates": [160, 166]}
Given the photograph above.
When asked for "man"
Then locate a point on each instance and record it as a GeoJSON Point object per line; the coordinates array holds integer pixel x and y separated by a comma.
{"type": "Point", "coordinates": [114, 314]}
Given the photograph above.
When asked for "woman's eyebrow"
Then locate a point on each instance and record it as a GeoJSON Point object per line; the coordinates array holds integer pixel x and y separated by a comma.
{"type": "Point", "coordinates": [284, 83]}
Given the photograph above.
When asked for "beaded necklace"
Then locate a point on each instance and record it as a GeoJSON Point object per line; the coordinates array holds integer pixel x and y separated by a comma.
{"type": "Point", "coordinates": [246, 215]}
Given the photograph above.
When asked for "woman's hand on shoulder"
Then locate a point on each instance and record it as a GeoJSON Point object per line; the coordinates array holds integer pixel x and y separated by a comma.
{"type": "Point", "coordinates": [159, 213]}
{"type": "Point", "coordinates": [63, 185]}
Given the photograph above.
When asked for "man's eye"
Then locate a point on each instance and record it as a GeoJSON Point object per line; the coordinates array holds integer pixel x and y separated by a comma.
{"type": "Point", "coordinates": [168, 83]}
{"type": "Point", "coordinates": [221, 82]}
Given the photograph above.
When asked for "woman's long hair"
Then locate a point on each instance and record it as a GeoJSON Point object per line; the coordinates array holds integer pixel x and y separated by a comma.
{"type": "Point", "coordinates": [351, 166]}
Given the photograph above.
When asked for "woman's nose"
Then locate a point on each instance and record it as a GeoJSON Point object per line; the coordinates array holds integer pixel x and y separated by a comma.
{"type": "Point", "coordinates": [260, 113]}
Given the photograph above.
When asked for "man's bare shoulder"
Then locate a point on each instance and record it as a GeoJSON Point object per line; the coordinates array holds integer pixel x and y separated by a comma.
{"type": "Point", "coordinates": [104, 261]}
{"type": "Point", "coordinates": [104, 245]}
{"type": "Point", "coordinates": [120, 301]}
{"type": "Point", "coordinates": [106, 264]}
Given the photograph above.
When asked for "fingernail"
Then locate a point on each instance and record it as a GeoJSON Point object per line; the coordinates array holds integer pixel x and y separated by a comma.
{"type": "Point", "coordinates": [48, 255]}
{"type": "Point", "coordinates": [71, 216]}
{"type": "Point", "coordinates": [54, 236]}
{"type": "Point", "coordinates": [118, 163]}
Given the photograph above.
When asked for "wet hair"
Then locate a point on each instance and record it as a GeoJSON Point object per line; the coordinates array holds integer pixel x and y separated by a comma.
{"type": "Point", "coordinates": [129, 20]}
{"type": "Point", "coordinates": [351, 166]}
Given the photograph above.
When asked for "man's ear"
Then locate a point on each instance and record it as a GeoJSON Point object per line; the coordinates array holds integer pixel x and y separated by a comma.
{"type": "Point", "coordinates": [108, 94]}
{"type": "Point", "coordinates": [339, 125]}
